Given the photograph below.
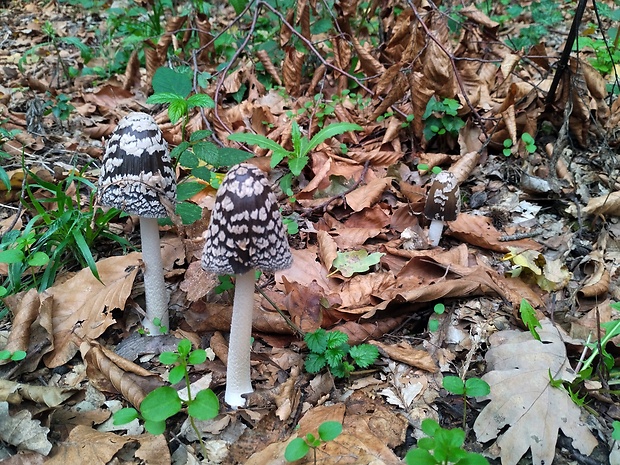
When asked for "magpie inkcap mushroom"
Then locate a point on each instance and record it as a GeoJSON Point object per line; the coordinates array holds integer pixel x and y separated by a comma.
{"type": "Point", "coordinates": [245, 234]}
{"type": "Point", "coordinates": [137, 177]}
{"type": "Point", "coordinates": [443, 203]}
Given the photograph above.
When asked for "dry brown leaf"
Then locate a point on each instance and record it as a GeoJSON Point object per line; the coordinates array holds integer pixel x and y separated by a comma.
{"type": "Point", "coordinates": [82, 305]}
{"type": "Point", "coordinates": [291, 70]}
{"type": "Point", "coordinates": [304, 304]}
{"type": "Point", "coordinates": [328, 249]}
{"type": "Point", "coordinates": [479, 231]}
{"type": "Point", "coordinates": [367, 195]}
{"type": "Point", "coordinates": [464, 166]}
{"type": "Point", "coordinates": [526, 411]}
{"type": "Point", "coordinates": [607, 205]}
{"type": "Point", "coordinates": [265, 59]}
{"type": "Point", "coordinates": [86, 445]}
{"type": "Point", "coordinates": [23, 432]}
{"type": "Point", "coordinates": [111, 373]}
{"type": "Point", "coordinates": [51, 396]}
{"type": "Point", "coordinates": [403, 352]}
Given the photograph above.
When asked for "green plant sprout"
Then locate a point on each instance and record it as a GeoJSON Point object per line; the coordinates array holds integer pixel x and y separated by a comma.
{"type": "Point", "coordinates": [433, 323]}
{"type": "Point", "coordinates": [473, 387]}
{"type": "Point", "coordinates": [298, 158]}
{"type": "Point", "coordinates": [298, 448]}
{"type": "Point", "coordinates": [330, 348]}
{"type": "Point", "coordinates": [612, 329]}
{"type": "Point", "coordinates": [442, 447]}
{"type": "Point", "coordinates": [528, 140]}
{"type": "Point", "coordinates": [507, 150]}
{"type": "Point", "coordinates": [615, 435]}
{"type": "Point", "coordinates": [423, 168]}
{"type": "Point", "coordinates": [13, 356]}
{"type": "Point", "coordinates": [440, 117]}
{"type": "Point", "coordinates": [172, 87]}
{"type": "Point", "coordinates": [528, 316]}
{"type": "Point", "coordinates": [164, 402]}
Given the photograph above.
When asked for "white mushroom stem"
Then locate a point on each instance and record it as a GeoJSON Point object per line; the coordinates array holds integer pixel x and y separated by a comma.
{"type": "Point", "coordinates": [238, 379]}
{"type": "Point", "coordinates": [435, 231]}
{"type": "Point", "coordinates": [154, 285]}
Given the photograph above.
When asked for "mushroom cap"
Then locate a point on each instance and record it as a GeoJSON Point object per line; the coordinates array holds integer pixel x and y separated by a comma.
{"type": "Point", "coordinates": [443, 201]}
{"type": "Point", "coordinates": [136, 173]}
{"type": "Point", "coordinates": [246, 230]}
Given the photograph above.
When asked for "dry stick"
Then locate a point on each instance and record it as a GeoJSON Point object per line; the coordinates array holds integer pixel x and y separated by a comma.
{"type": "Point", "coordinates": [457, 75]}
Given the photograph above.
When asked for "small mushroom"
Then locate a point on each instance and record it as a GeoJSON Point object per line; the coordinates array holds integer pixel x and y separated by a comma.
{"type": "Point", "coordinates": [443, 203]}
{"type": "Point", "coordinates": [245, 234]}
{"type": "Point", "coordinates": [137, 178]}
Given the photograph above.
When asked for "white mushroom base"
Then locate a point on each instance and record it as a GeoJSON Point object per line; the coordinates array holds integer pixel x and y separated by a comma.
{"type": "Point", "coordinates": [238, 379]}
{"type": "Point", "coordinates": [434, 232]}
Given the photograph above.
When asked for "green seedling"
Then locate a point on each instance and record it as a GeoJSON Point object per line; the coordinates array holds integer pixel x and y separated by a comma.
{"type": "Point", "coordinates": [298, 448]}
{"type": "Point", "coordinates": [330, 349]}
{"type": "Point", "coordinates": [473, 387]}
{"type": "Point", "coordinates": [424, 168]}
{"type": "Point", "coordinates": [440, 117]}
{"type": "Point", "coordinates": [298, 158]}
{"type": "Point", "coordinates": [60, 107]}
{"type": "Point", "coordinates": [612, 329]}
{"type": "Point", "coordinates": [442, 447]}
{"type": "Point", "coordinates": [528, 316]}
{"type": "Point", "coordinates": [433, 323]}
{"type": "Point", "coordinates": [507, 150]}
{"type": "Point", "coordinates": [528, 141]}
{"type": "Point", "coordinates": [616, 432]}
{"type": "Point", "coordinates": [5, 136]}
{"type": "Point", "coordinates": [173, 87]}
{"type": "Point", "coordinates": [164, 402]}
{"type": "Point", "coordinates": [13, 356]}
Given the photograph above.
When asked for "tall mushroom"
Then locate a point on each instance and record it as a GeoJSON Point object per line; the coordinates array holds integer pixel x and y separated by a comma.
{"type": "Point", "coordinates": [245, 234]}
{"type": "Point", "coordinates": [443, 203]}
{"type": "Point", "coordinates": [137, 177]}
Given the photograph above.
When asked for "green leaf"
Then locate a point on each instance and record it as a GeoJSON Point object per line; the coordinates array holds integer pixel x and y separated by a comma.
{"type": "Point", "coordinates": [616, 432]}
{"type": "Point", "coordinates": [314, 362]}
{"type": "Point", "coordinates": [200, 100]}
{"type": "Point", "coordinates": [4, 177]}
{"type": "Point", "coordinates": [262, 142]}
{"type": "Point", "coordinates": [124, 416]}
{"type": "Point", "coordinates": [163, 97]}
{"type": "Point", "coordinates": [85, 51]}
{"type": "Point", "coordinates": [196, 357]}
{"type": "Point", "coordinates": [184, 347]}
{"type": "Point", "coordinates": [168, 358]}
{"type": "Point", "coordinates": [199, 135]}
{"type": "Point", "coordinates": [38, 259]}
{"type": "Point", "coordinates": [189, 212]}
{"type": "Point", "coordinates": [172, 81]}
{"type": "Point", "coordinates": [12, 256]}
{"type": "Point", "coordinates": [296, 165]}
{"type": "Point", "coordinates": [203, 173]}
{"type": "Point", "coordinates": [476, 387]}
{"type": "Point", "coordinates": [296, 449]}
{"type": "Point", "coordinates": [176, 374]}
{"type": "Point", "coordinates": [330, 430]}
{"type": "Point", "coordinates": [335, 355]}
{"type": "Point", "coordinates": [204, 406]}
{"type": "Point", "coordinates": [332, 130]}
{"type": "Point", "coordinates": [155, 427]}
{"type": "Point", "coordinates": [336, 339]}
{"type": "Point", "coordinates": [5, 354]}
{"type": "Point", "coordinates": [188, 159]}
{"type": "Point", "coordinates": [85, 252]}
{"type": "Point", "coordinates": [420, 457]}
{"type": "Point", "coordinates": [179, 150]}
{"type": "Point", "coordinates": [355, 261]}
{"type": "Point", "coordinates": [528, 316]}
{"type": "Point", "coordinates": [160, 404]}
{"type": "Point", "coordinates": [439, 308]}
{"type": "Point", "coordinates": [364, 355]}
{"type": "Point", "coordinates": [227, 156]}
{"type": "Point", "coordinates": [454, 385]}
{"type": "Point", "coordinates": [316, 340]}
{"type": "Point", "coordinates": [296, 139]}
{"type": "Point", "coordinates": [18, 355]}
{"type": "Point", "coordinates": [177, 110]}
{"type": "Point", "coordinates": [187, 189]}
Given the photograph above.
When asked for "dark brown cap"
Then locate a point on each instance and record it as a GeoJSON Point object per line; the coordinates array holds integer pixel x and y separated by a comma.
{"type": "Point", "coordinates": [443, 201]}
{"type": "Point", "coordinates": [246, 230]}
{"type": "Point", "coordinates": [136, 174]}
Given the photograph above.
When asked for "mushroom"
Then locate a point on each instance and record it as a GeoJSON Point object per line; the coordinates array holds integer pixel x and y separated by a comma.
{"type": "Point", "coordinates": [137, 178]}
{"type": "Point", "coordinates": [443, 203]}
{"type": "Point", "coordinates": [245, 233]}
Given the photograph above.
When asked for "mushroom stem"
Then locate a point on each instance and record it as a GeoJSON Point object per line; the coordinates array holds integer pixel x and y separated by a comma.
{"type": "Point", "coordinates": [434, 232]}
{"type": "Point", "coordinates": [154, 285]}
{"type": "Point", "coordinates": [238, 379]}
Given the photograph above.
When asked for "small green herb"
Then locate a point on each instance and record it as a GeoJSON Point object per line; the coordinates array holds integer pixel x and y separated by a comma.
{"type": "Point", "coordinates": [528, 316]}
{"type": "Point", "coordinates": [331, 349]}
{"type": "Point", "coordinates": [299, 447]}
{"type": "Point", "coordinates": [442, 447]}
{"type": "Point", "coordinates": [14, 356]}
{"type": "Point", "coordinates": [473, 387]}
